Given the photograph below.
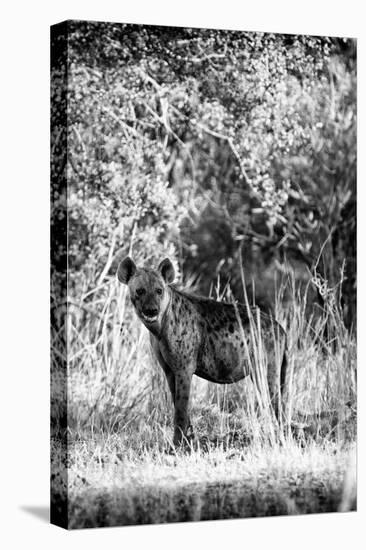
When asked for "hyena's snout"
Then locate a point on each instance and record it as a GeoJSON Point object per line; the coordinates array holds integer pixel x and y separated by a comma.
{"type": "Point", "coordinates": [150, 311]}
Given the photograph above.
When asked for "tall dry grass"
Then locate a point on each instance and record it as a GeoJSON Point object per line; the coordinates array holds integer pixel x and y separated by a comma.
{"type": "Point", "coordinates": [115, 385]}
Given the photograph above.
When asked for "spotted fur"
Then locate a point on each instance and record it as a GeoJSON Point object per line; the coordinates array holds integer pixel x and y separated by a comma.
{"type": "Point", "coordinates": [194, 335]}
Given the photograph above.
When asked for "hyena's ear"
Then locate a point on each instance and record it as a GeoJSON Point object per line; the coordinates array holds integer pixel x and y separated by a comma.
{"type": "Point", "coordinates": [167, 270]}
{"type": "Point", "coordinates": [126, 270]}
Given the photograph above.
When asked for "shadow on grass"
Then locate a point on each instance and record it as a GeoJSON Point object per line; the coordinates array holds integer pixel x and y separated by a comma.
{"type": "Point", "coordinates": [196, 502]}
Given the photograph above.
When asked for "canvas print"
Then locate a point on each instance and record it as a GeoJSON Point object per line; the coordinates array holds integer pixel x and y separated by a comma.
{"type": "Point", "coordinates": [203, 274]}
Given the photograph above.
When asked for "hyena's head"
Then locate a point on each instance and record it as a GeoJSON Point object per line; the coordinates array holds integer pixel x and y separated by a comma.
{"type": "Point", "coordinates": [148, 289]}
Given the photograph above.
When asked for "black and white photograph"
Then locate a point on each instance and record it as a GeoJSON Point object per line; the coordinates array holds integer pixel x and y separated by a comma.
{"type": "Point", "coordinates": [203, 274]}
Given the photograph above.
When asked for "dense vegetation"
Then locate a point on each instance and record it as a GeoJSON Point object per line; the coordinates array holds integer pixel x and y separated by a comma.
{"type": "Point", "coordinates": [194, 143]}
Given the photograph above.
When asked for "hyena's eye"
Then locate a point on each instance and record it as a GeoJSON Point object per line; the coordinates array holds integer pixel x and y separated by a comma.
{"type": "Point", "coordinates": [140, 291]}
{"type": "Point", "coordinates": [159, 291]}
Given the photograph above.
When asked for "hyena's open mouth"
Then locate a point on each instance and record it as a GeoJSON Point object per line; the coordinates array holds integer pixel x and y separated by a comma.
{"type": "Point", "coordinates": [149, 318]}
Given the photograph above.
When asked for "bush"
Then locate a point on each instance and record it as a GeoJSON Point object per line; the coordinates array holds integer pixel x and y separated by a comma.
{"type": "Point", "coordinates": [180, 139]}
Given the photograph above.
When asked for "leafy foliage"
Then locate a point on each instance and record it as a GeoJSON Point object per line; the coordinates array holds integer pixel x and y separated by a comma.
{"type": "Point", "coordinates": [195, 143]}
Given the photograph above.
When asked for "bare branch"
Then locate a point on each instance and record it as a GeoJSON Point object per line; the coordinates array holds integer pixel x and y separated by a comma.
{"type": "Point", "coordinates": [213, 133]}
{"type": "Point", "coordinates": [119, 120]}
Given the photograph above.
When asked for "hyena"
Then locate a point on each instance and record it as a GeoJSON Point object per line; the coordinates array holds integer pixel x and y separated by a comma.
{"type": "Point", "coordinates": [191, 335]}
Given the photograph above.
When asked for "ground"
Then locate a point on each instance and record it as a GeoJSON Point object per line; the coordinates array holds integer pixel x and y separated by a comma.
{"type": "Point", "coordinates": [112, 484]}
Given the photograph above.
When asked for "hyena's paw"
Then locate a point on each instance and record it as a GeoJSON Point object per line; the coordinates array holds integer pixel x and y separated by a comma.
{"type": "Point", "coordinates": [184, 441]}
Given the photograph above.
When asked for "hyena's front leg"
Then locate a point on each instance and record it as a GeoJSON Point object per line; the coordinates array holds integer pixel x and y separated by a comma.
{"type": "Point", "coordinates": [169, 374]}
{"type": "Point", "coordinates": [171, 381]}
{"type": "Point", "coordinates": [183, 381]}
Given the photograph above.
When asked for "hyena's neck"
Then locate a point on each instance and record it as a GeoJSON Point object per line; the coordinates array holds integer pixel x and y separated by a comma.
{"type": "Point", "coordinates": [175, 312]}
{"type": "Point", "coordinates": [179, 305]}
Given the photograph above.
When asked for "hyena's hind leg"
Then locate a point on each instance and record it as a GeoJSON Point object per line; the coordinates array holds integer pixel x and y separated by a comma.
{"type": "Point", "coordinates": [276, 378]}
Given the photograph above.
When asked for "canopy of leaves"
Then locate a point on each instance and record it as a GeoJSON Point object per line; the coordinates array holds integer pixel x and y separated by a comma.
{"type": "Point", "coordinates": [196, 143]}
